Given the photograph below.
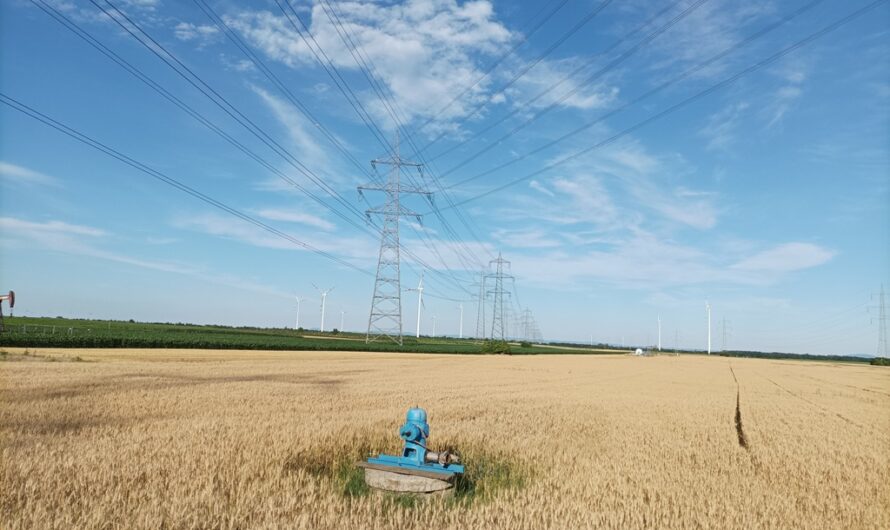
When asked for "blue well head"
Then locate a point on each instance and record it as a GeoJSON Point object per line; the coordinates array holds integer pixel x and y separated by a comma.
{"type": "Point", "coordinates": [414, 432]}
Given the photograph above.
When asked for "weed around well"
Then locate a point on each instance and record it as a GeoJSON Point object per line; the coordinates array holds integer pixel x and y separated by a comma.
{"type": "Point", "coordinates": [487, 474]}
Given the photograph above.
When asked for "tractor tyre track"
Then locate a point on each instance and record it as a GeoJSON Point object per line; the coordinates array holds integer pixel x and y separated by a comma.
{"type": "Point", "coordinates": [824, 410]}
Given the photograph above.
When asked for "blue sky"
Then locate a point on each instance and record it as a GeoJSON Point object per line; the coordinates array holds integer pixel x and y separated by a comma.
{"type": "Point", "coordinates": [768, 196]}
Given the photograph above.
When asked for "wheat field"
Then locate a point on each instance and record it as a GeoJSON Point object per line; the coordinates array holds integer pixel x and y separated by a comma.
{"type": "Point", "coordinates": [229, 439]}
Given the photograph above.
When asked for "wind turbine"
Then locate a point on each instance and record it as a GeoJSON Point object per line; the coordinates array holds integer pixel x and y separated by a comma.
{"type": "Point", "coordinates": [659, 332]}
{"type": "Point", "coordinates": [342, 314]}
{"type": "Point", "coordinates": [434, 325]}
{"type": "Point", "coordinates": [419, 301]}
{"type": "Point", "coordinates": [299, 299]}
{"type": "Point", "coordinates": [324, 295]}
{"type": "Point", "coordinates": [461, 332]}
{"type": "Point", "coordinates": [708, 308]}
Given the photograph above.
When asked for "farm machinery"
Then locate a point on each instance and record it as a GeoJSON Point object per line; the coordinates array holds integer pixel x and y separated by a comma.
{"type": "Point", "coordinates": [417, 470]}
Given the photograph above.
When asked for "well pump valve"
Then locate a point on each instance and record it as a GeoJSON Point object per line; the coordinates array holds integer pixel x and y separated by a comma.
{"type": "Point", "coordinates": [415, 431]}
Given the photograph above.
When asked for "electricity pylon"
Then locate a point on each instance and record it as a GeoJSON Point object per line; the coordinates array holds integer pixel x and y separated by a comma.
{"type": "Point", "coordinates": [498, 326]}
{"type": "Point", "coordinates": [385, 320]}
{"type": "Point", "coordinates": [480, 308]}
{"type": "Point", "coordinates": [727, 332]}
{"type": "Point", "coordinates": [526, 324]}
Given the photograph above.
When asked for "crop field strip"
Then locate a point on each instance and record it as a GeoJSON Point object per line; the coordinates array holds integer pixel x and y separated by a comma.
{"type": "Point", "coordinates": [192, 439]}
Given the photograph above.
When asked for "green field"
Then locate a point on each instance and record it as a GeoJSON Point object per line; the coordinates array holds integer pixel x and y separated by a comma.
{"type": "Point", "coordinates": [78, 333]}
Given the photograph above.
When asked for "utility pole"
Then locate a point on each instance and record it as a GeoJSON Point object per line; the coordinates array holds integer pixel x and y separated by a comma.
{"type": "Point", "coordinates": [298, 313]}
{"type": "Point", "coordinates": [419, 301]}
{"type": "Point", "coordinates": [385, 320]}
{"type": "Point", "coordinates": [460, 334]}
{"type": "Point", "coordinates": [708, 307]}
{"type": "Point", "coordinates": [498, 326]}
{"type": "Point", "coordinates": [659, 332]}
{"type": "Point", "coordinates": [324, 295]}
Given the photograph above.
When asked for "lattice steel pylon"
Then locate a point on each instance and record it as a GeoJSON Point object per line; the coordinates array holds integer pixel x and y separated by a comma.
{"type": "Point", "coordinates": [480, 308]}
{"type": "Point", "coordinates": [498, 326]}
{"type": "Point", "coordinates": [385, 320]}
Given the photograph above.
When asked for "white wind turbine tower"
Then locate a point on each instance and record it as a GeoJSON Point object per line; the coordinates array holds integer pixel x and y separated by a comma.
{"type": "Point", "coordinates": [419, 301]}
{"type": "Point", "coordinates": [708, 307]}
{"type": "Point", "coordinates": [434, 325]}
{"type": "Point", "coordinates": [342, 315]}
{"type": "Point", "coordinates": [659, 332]}
{"type": "Point", "coordinates": [324, 295]}
{"type": "Point", "coordinates": [299, 299]}
{"type": "Point", "coordinates": [460, 334]}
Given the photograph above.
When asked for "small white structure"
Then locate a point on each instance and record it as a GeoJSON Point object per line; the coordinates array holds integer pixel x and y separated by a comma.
{"type": "Point", "coordinates": [638, 351]}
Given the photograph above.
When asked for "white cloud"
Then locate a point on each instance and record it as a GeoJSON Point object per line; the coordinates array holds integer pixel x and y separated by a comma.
{"type": "Point", "coordinates": [22, 175]}
{"type": "Point", "coordinates": [81, 240]}
{"type": "Point", "coordinates": [69, 238]}
{"type": "Point", "coordinates": [567, 92]}
{"type": "Point", "coordinates": [722, 126]}
{"type": "Point", "coordinates": [706, 31]}
{"type": "Point", "coordinates": [422, 50]}
{"type": "Point", "coordinates": [786, 257]}
{"type": "Point", "coordinates": [19, 227]}
{"type": "Point", "coordinates": [534, 238]}
{"type": "Point", "coordinates": [793, 73]}
{"type": "Point", "coordinates": [201, 33]}
{"type": "Point", "coordinates": [308, 150]}
{"type": "Point", "coordinates": [362, 249]}
{"type": "Point", "coordinates": [537, 186]}
{"type": "Point", "coordinates": [292, 216]}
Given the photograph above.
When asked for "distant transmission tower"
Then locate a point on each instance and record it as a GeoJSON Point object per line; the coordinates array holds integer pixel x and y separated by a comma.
{"type": "Point", "coordinates": [498, 310]}
{"type": "Point", "coordinates": [480, 309]}
{"type": "Point", "coordinates": [526, 324]}
{"type": "Point", "coordinates": [882, 326]}
{"type": "Point", "coordinates": [385, 320]}
{"type": "Point", "coordinates": [727, 333]}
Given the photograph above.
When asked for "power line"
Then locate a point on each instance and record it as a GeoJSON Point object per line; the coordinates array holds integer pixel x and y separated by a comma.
{"type": "Point", "coordinates": [589, 80]}
{"type": "Point", "coordinates": [224, 105]}
{"type": "Point", "coordinates": [528, 104]}
{"type": "Point", "coordinates": [99, 146]}
{"type": "Point", "coordinates": [349, 94]}
{"type": "Point", "coordinates": [525, 36]}
{"type": "Point", "coordinates": [673, 108]}
{"type": "Point", "coordinates": [270, 75]}
{"type": "Point", "coordinates": [565, 36]}
{"type": "Point", "coordinates": [684, 75]}
{"type": "Point", "coordinates": [388, 100]}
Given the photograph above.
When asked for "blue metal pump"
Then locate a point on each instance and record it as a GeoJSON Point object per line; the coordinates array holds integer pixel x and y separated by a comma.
{"type": "Point", "coordinates": [415, 455]}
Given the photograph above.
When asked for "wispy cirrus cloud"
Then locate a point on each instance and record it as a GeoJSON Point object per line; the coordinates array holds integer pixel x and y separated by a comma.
{"type": "Point", "coordinates": [362, 249]}
{"type": "Point", "coordinates": [92, 242]}
{"type": "Point", "coordinates": [294, 216]}
{"type": "Point", "coordinates": [422, 51]}
{"type": "Point", "coordinates": [786, 257]}
{"type": "Point", "coordinates": [201, 34]}
{"type": "Point", "coordinates": [20, 175]}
